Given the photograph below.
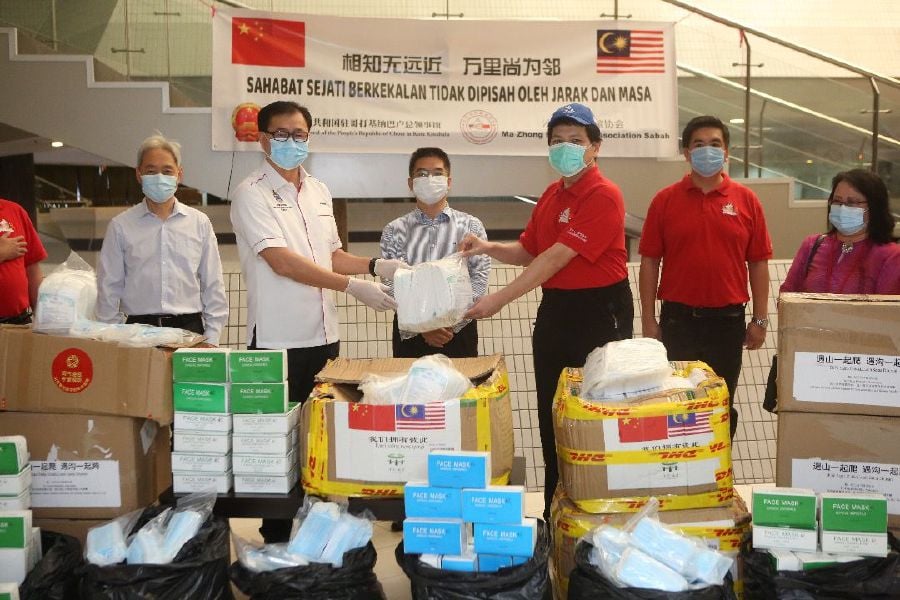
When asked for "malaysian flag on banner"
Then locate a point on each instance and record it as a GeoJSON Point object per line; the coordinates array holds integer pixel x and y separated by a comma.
{"type": "Point", "coordinates": [421, 416]}
{"type": "Point", "coordinates": [689, 424]}
{"type": "Point", "coordinates": [634, 51]}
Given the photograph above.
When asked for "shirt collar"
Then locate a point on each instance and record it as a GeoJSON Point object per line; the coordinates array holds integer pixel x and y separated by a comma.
{"type": "Point", "coordinates": [591, 177]}
{"type": "Point", "coordinates": [276, 180]}
{"type": "Point", "coordinates": [177, 208]}
{"type": "Point", "coordinates": [422, 218]}
{"type": "Point", "coordinates": [722, 189]}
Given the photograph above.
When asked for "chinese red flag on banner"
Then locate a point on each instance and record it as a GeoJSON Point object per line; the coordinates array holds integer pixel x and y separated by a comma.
{"type": "Point", "coordinates": [371, 417]}
{"type": "Point", "coordinates": [644, 429]}
{"type": "Point", "coordinates": [268, 42]}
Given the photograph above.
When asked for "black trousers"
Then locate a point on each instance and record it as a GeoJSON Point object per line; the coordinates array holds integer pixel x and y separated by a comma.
{"type": "Point", "coordinates": [23, 318]}
{"type": "Point", "coordinates": [191, 322]}
{"type": "Point", "coordinates": [303, 365]}
{"type": "Point", "coordinates": [715, 336]}
{"type": "Point", "coordinates": [463, 345]}
{"type": "Point", "coordinates": [569, 325]}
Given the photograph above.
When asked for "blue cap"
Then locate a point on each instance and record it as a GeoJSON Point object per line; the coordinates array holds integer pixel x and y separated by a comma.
{"type": "Point", "coordinates": [577, 112]}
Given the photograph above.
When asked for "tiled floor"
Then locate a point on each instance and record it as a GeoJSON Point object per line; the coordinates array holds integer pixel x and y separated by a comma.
{"type": "Point", "coordinates": [391, 577]}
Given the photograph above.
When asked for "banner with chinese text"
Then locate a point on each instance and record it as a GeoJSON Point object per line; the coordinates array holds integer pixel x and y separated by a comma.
{"type": "Point", "coordinates": [470, 87]}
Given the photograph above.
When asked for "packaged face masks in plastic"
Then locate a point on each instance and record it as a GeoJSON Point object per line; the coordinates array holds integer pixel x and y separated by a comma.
{"type": "Point", "coordinates": [265, 557]}
{"type": "Point", "coordinates": [432, 295]}
{"type": "Point", "coordinates": [625, 369]}
{"type": "Point", "coordinates": [146, 546]}
{"type": "Point", "coordinates": [382, 389]}
{"type": "Point", "coordinates": [66, 296]}
{"type": "Point", "coordinates": [134, 334]}
{"type": "Point", "coordinates": [105, 544]}
{"type": "Point", "coordinates": [433, 379]}
{"type": "Point", "coordinates": [326, 531]}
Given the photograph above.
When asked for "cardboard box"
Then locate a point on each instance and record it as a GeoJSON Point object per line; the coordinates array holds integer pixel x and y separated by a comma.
{"type": "Point", "coordinates": [77, 528]}
{"type": "Point", "coordinates": [464, 563]}
{"type": "Point", "coordinates": [210, 422]}
{"type": "Point", "coordinates": [201, 462]}
{"type": "Point", "coordinates": [785, 518]}
{"type": "Point", "coordinates": [435, 536]}
{"type": "Point", "coordinates": [263, 464]}
{"type": "Point", "coordinates": [265, 484]}
{"type": "Point", "coordinates": [199, 441]}
{"type": "Point", "coordinates": [491, 563]}
{"type": "Point", "coordinates": [853, 524]}
{"type": "Point", "coordinates": [839, 354]}
{"type": "Point", "coordinates": [56, 374]}
{"type": "Point", "coordinates": [274, 424]}
{"type": "Point", "coordinates": [841, 453]}
{"type": "Point", "coordinates": [92, 466]}
{"type": "Point", "coordinates": [459, 469]}
{"type": "Point", "coordinates": [494, 504]}
{"type": "Point", "coordinates": [367, 461]}
{"type": "Point", "coordinates": [422, 500]}
{"type": "Point", "coordinates": [278, 445]}
{"type": "Point", "coordinates": [259, 398]}
{"type": "Point", "coordinates": [201, 397]}
{"type": "Point", "coordinates": [202, 365]}
{"type": "Point", "coordinates": [672, 445]}
{"type": "Point", "coordinates": [188, 482]}
{"type": "Point", "coordinates": [258, 366]}
{"type": "Point", "coordinates": [515, 539]}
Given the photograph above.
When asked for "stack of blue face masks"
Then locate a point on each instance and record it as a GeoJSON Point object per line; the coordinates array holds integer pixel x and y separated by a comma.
{"type": "Point", "coordinates": [351, 532]}
{"type": "Point", "coordinates": [105, 545]}
{"type": "Point", "coordinates": [327, 532]}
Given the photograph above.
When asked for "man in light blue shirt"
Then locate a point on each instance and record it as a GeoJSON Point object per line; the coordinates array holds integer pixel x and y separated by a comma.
{"type": "Point", "coordinates": [160, 263]}
{"type": "Point", "coordinates": [431, 232]}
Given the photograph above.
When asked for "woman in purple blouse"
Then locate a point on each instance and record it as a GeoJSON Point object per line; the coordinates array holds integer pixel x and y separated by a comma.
{"type": "Point", "coordinates": [858, 254]}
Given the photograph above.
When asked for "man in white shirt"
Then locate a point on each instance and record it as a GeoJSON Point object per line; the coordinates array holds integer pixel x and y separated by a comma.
{"type": "Point", "coordinates": [160, 263]}
{"type": "Point", "coordinates": [292, 259]}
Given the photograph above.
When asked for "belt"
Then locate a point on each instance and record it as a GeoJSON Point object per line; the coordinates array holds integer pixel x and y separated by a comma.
{"type": "Point", "coordinates": [164, 320]}
{"type": "Point", "coordinates": [23, 318]}
{"type": "Point", "coordinates": [699, 312]}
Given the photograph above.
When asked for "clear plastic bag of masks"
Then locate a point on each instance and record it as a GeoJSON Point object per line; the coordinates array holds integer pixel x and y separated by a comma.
{"type": "Point", "coordinates": [431, 378]}
{"type": "Point", "coordinates": [134, 334]}
{"type": "Point", "coordinates": [432, 295]}
{"type": "Point", "coordinates": [647, 554]}
{"type": "Point", "coordinates": [66, 296]}
{"type": "Point", "coordinates": [324, 531]}
{"type": "Point", "coordinates": [626, 368]}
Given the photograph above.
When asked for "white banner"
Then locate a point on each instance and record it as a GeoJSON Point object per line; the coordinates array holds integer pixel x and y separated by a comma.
{"type": "Point", "coordinates": [469, 87]}
{"type": "Point", "coordinates": [391, 443]}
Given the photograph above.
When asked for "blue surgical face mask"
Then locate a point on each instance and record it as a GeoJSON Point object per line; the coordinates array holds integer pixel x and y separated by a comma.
{"type": "Point", "coordinates": [707, 160]}
{"type": "Point", "coordinates": [567, 158]}
{"type": "Point", "coordinates": [158, 187]}
{"type": "Point", "coordinates": [288, 154]}
{"type": "Point", "coordinates": [848, 220]}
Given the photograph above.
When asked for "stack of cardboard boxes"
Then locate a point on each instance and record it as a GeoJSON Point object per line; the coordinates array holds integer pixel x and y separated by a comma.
{"type": "Point", "coordinates": [20, 542]}
{"type": "Point", "coordinates": [613, 456]}
{"type": "Point", "coordinates": [458, 522]}
{"type": "Point", "coordinates": [95, 416]}
{"type": "Point", "coordinates": [233, 424]}
{"type": "Point", "coordinates": [202, 430]}
{"type": "Point", "coordinates": [839, 395]}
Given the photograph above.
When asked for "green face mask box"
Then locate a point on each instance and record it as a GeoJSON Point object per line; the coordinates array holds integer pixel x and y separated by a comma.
{"type": "Point", "coordinates": [259, 398]}
{"type": "Point", "coordinates": [13, 454]}
{"type": "Point", "coordinates": [201, 397]}
{"type": "Point", "coordinates": [854, 524]}
{"type": "Point", "coordinates": [257, 366]}
{"type": "Point", "coordinates": [200, 365]}
{"type": "Point", "coordinates": [785, 518]}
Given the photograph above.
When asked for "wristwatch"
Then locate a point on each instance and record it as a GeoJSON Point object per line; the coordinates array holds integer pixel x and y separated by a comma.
{"type": "Point", "coordinates": [761, 322]}
{"type": "Point", "coordinates": [372, 266]}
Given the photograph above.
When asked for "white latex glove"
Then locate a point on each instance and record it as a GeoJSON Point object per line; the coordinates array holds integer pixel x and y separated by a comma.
{"type": "Point", "coordinates": [371, 294]}
{"type": "Point", "coordinates": [386, 267]}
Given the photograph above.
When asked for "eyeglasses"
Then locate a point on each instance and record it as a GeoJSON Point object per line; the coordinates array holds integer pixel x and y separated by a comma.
{"type": "Point", "coordinates": [282, 135]}
{"type": "Point", "coordinates": [851, 202]}
{"type": "Point", "coordinates": [427, 173]}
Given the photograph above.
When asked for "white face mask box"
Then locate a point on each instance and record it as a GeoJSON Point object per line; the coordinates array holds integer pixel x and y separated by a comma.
{"type": "Point", "coordinates": [20, 502]}
{"type": "Point", "coordinates": [266, 484]}
{"type": "Point", "coordinates": [257, 366]}
{"type": "Point", "coordinates": [785, 518]}
{"type": "Point", "coordinates": [854, 524]}
{"type": "Point", "coordinates": [15, 545]}
{"type": "Point", "coordinates": [278, 424]}
{"type": "Point", "coordinates": [201, 397]}
{"type": "Point", "coordinates": [207, 422]}
{"type": "Point", "coordinates": [494, 504]}
{"type": "Point", "coordinates": [280, 445]}
{"type": "Point", "coordinates": [517, 539]}
{"type": "Point", "coordinates": [201, 462]}
{"type": "Point", "coordinates": [193, 441]}
{"type": "Point", "coordinates": [459, 469]}
{"type": "Point", "coordinates": [435, 536]}
{"type": "Point", "coordinates": [13, 454]}
{"type": "Point", "coordinates": [263, 464]}
{"type": "Point", "coordinates": [187, 483]}
{"type": "Point", "coordinates": [13, 485]}
{"type": "Point", "coordinates": [200, 365]}
{"type": "Point", "coordinates": [9, 591]}
{"type": "Point", "coordinates": [422, 500]}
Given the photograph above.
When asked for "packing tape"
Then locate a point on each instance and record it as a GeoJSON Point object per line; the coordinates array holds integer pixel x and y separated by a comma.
{"type": "Point", "coordinates": [721, 496]}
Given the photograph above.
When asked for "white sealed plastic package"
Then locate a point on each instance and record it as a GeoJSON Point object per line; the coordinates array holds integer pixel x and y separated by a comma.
{"type": "Point", "coordinates": [433, 378]}
{"type": "Point", "coordinates": [624, 369]}
{"type": "Point", "coordinates": [432, 295]}
{"type": "Point", "coordinates": [66, 296]}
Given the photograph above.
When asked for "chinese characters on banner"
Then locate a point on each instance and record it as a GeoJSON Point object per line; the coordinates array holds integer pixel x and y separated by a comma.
{"type": "Point", "coordinates": [470, 87]}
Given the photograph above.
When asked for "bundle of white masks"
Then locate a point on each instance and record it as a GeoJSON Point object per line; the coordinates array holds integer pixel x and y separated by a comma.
{"type": "Point", "coordinates": [432, 295]}
{"type": "Point", "coordinates": [66, 296]}
{"type": "Point", "coordinates": [625, 369]}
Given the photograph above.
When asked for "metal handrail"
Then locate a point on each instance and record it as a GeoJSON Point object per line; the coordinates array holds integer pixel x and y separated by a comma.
{"type": "Point", "coordinates": [776, 40]}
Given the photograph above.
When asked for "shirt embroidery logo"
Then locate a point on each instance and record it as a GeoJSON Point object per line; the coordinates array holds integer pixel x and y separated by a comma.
{"type": "Point", "coordinates": [728, 209]}
{"type": "Point", "coordinates": [280, 204]}
{"type": "Point", "coordinates": [564, 216]}
{"type": "Point", "coordinates": [5, 227]}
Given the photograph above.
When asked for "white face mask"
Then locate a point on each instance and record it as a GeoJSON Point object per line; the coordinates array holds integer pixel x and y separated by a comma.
{"type": "Point", "coordinates": [431, 189]}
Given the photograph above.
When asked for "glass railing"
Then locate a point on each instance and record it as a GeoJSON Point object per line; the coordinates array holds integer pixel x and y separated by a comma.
{"type": "Point", "coordinates": [804, 118]}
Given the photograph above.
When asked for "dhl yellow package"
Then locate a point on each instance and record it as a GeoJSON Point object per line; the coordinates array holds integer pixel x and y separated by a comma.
{"type": "Point", "coordinates": [354, 449]}
{"type": "Point", "coordinates": [722, 527]}
{"type": "Point", "coordinates": [674, 445]}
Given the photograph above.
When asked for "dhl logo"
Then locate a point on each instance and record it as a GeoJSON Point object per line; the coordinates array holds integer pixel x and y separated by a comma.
{"type": "Point", "coordinates": [635, 504]}
{"type": "Point", "coordinates": [378, 492]}
{"type": "Point", "coordinates": [587, 457]}
{"type": "Point", "coordinates": [698, 404]}
{"type": "Point", "coordinates": [606, 411]}
{"type": "Point", "coordinates": [726, 531]}
{"type": "Point", "coordinates": [717, 447]}
{"type": "Point", "coordinates": [724, 417]}
{"type": "Point", "coordinates": [501, 388]}
{"type": "Point", "coordinates": [724, 495]}
{"type": "Point", "coordinates": [720, 475]}
{"type": "Point", "coordinates": [673, 454]}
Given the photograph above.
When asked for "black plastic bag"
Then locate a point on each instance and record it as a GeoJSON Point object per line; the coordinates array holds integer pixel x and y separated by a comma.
{"type": "Point", "coordinates": [587, 583]}
{"type": "Point", "coordinates": [355, 580]}
{"type": "Point", "coordinates": [529, 581]}
{"type": "Point", "coordinates": [199, 572]}
{"type": "Point", "coordinates": [870, 578]}
{"type": "Point", "coordinates": [54, 577]}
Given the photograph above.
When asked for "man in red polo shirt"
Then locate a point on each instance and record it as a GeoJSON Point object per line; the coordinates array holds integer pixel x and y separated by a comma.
{"type": "Point", "coordinates": [21, 252]}
{"type": "Point", "coordinates": [709, 232]}
{"type": "Point", "coordinates": [574, 248]}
